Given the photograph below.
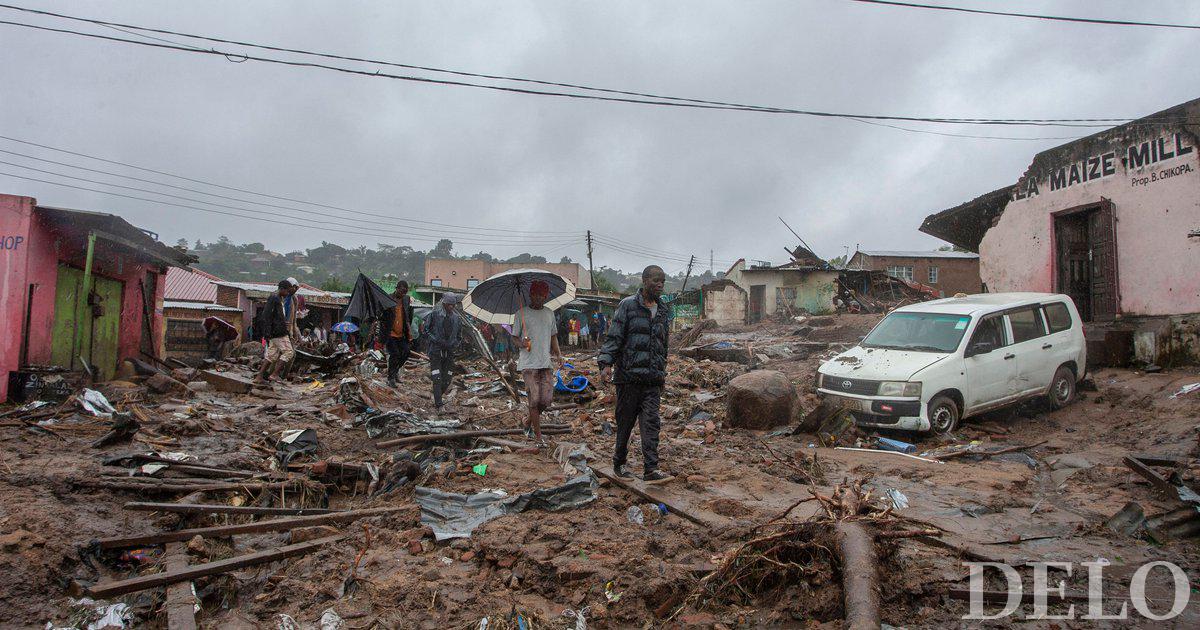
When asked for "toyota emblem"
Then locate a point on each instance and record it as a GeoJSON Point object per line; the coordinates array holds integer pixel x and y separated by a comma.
{"type": "Point", "coordinates": [847, 384]}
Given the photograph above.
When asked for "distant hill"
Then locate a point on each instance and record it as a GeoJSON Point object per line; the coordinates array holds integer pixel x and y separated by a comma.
{"type": "Point", "coordinates": [334, 268]}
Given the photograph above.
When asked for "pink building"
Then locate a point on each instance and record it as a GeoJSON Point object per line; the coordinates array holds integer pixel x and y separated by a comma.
{"type": "Point", "coordinates": [78, 290]}
{"type": "Point", "coordinates": [1111, 220]}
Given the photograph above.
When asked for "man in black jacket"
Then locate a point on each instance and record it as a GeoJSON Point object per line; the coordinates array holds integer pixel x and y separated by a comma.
{"type": "Point", "coordinates": [444, 333]}
{"type": "Point", "coordinates": [394, 328]}
{"type": "Point", "coordinates": [273, 321]}
{"type": "Point", "coordinates": [636, 346]}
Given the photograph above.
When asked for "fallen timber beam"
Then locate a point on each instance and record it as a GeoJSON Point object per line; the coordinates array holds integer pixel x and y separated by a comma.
{"type": "Point", "coordinates": [219, 531]}
{"type": "Point", "coordinates": [180, 602]}
{"type": "Point", "coordinates": [607, 473]}
{"type": "Point", "coordinates": [132, 585]}
{"type": "Point", "coordinates": [199, 508]}
{"type": "Point", "coordinates": [860, 580]}
{"type": "Point", "coordinates": [433, 437]}
{"type": "Point", "coordinates": [186, 487]}
{"type": "Point", "coordinates": [1010, 449]}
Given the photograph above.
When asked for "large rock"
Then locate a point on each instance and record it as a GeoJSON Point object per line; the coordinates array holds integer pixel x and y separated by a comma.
{"type": "Point", "coordinates": [164, 384]}
{"type": "Point", "coordinates": [760, 400]}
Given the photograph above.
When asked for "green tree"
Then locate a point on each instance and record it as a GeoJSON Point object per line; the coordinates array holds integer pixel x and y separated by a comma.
{"type": "Point", "coordinates": [604, 284]}
{"type": "Point", "coordinates": [333, 284]}
{"type": "Point", "coordinates": [443, 249]}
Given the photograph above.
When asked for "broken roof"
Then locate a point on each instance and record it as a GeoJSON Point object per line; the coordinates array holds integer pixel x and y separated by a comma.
{"type": "Point", "coordinates": [113, 228]}
{"type": "Point", "coordinates": [964, 225]}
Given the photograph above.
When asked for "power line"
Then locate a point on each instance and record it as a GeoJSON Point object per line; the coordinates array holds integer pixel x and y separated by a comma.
{"type": "Point", "coordinates": [269, 196]}
{"type": "Point", "coordinates": [295, 222]}
{"type": "Point", "coordinates": [439, 232]}
{"type": "Point", "coordinates": [1058, 18]}
{"type": "Point", "coordinates": [612, 239]}
{"type": "Point", "coordinates": [662, 101]}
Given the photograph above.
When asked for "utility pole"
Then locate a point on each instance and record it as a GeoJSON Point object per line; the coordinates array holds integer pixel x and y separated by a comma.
{"type": "Point", "coordinates": [710, 263]}
{"type": "Point", "coordinates": [687, 275]}
{"type": "Point", "coordinates": [591, 269]}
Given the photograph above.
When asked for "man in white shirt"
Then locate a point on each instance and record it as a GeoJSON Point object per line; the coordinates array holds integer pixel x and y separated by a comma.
{"type": "Point", "coordinates": [536, 332]}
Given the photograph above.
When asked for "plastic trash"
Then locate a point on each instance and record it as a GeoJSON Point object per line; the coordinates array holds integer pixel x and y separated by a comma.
{"type": "Point", "coordinates": [635, 515]}
{"type": "Point", "coordinates": [580, 616]}
{"type": "Point", "coordinates": [1186, 389]}
{"type": "Point", "coordinates": [330, 620]}
{"type": "Point", "coordinates": [95, 403]}
{"type": "Point", "coordinates": [898, 500]}
{"type": "Point", "coordinates": [889, 444]}
{"type": "Point", "coordinates": [480, 469]}
{"type": "Point", "coordinates": [295, 442]}
{"type": "Point", "coordinates": [610, 593]}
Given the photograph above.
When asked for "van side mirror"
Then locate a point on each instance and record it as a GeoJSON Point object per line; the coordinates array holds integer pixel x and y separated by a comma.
{"type": "Point", "coordinates": [980, 347]}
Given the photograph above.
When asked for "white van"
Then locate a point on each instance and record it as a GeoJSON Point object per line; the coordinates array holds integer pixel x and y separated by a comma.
{"type": "Point", "coordinates": [927, 366]}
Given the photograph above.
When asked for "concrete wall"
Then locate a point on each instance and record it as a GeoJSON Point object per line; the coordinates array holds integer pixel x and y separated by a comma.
{"type": "Point", "coordinates": [955, 275]}
{"type": "Point", "coordinates": [814, 289]}
{"type": "Point", "coordinates": [16, 218]}
{"type": "Point", "coordinates": [1156, 205]}
{"type": "Point", "coordinates": [455, 273]}
{"type": "Point", "coordinates": [725, 303]}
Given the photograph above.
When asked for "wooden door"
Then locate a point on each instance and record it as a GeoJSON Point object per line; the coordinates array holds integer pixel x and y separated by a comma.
{"type": "Point", "coordinates": [106, 327]}
{"type": "Point", "coordinates": [1073, 261]}
{"type": "Point", "coordinates": [1102, 234]}
{"type": "Point", "coordinates": [64, 330]}
{"type": "Point", "coordinates": [758, 299]}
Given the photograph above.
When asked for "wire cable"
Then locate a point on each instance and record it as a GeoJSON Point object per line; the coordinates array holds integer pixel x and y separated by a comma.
{"type": "Point", "coordinates": [293, 221]}
{"type": "Point", "coordinates": [1057, 18]}
{"type": "Point", "coordinates": [439, 232]}
{"type": "Point", "coordinates": [269, 196]}
{"type": "Point", "coordinates": [662, 101]}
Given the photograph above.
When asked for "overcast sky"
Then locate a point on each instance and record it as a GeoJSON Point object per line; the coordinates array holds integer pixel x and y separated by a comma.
{"type": "Point", "coordinates": [679, 180]}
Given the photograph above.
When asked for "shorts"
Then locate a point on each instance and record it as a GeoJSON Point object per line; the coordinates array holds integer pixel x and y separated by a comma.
{"type": "Point", "coordinates": [573, 339]}
{"type": "Point", "coordinates": [540, 384]}
{"type": "Point", "coordinates": [280, 349]}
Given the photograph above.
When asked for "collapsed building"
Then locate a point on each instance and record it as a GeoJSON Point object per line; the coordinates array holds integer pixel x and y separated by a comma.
{"type": "Point", "coordinates": [1111, 220]}
{"type": "Point", "coordinates": [79, 292]}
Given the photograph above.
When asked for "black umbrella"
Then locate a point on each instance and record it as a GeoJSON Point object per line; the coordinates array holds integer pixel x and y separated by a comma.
{"type": "Point", "coordinates": [368, 301]}
{"type": "Point", "coordinates": [497, 299]}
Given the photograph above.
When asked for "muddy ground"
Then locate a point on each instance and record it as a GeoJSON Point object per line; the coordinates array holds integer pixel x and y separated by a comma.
{"type": "Point", "coordinates": [1028, 506]}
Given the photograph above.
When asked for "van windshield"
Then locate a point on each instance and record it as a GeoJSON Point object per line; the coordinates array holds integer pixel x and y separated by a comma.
{"type": "Point", "coordinates": [921, 332]}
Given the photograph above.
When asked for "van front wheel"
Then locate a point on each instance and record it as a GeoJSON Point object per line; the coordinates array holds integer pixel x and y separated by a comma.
{"type": "Point", "coordinates": [943, 414]}
{"type": "Point", "coordinates": [1062, 388]}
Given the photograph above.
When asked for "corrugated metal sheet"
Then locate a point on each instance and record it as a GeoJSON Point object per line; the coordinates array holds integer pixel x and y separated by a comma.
{"type": "Point", "coordinates": [190, 285]}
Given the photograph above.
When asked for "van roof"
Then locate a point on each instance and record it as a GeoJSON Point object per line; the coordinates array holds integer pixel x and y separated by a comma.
{"type": "Point", "coordinates": [980, 303]}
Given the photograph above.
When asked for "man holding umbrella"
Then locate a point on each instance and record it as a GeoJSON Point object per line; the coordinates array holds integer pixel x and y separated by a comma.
{"type": "Point", "coordinates": [636, 345]}
{"type": "Point", "coordinates": [535, 330]}
{"type": "Point", "coordinates": [444, 333]}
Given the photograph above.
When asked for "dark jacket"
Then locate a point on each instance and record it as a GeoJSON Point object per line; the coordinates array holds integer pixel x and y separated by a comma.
{"type": "Point", "coordinates": [636, 344]}
{"type": "Point", "coordinates": [443, 331]}
{"type": "Point", "coordinates": [272, 323]}
{"type": "Point", "coordinates": [388, 318]}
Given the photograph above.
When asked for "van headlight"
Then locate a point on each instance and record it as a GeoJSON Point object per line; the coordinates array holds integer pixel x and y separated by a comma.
{"type": "Point", "coordinates": [820, 380]}
{"type": "Point", "coordinates": [900, 388]}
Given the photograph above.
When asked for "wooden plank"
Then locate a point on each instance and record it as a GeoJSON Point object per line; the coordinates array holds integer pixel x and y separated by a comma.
{"type": "Point", "coordinates": [227, 382]}
{"type": "Point", "coordinates": [181, 487]}
{"type": "Point", "coordinates": [199, 508]}
{"type": "Point", "coordinates": [180, 604]}
{"type": "Point", "coordinates": [132, 585]}
{"type": "Point", "coordinates": [632, 487]}
{"type": "Point", "coordinates": [517, 447]}
{"type": "Point", "coordinates": [433, 437]}
{"type": "Point", "coordinates": [242, 528]}
{"type": "Point", "coordinates": [1158, 481]}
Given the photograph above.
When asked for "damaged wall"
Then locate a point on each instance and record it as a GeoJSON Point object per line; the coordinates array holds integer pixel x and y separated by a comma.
{"type": "Point", "coordinates": [16, 217]}
{"type": "Point", "coordinates": [1151, 174]}
{"type": "Point", "coordinates": [724, 303]}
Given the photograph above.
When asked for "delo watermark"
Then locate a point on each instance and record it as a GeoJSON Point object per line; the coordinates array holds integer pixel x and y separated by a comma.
{"type": "Point", "coordinates": [1042, 590]}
